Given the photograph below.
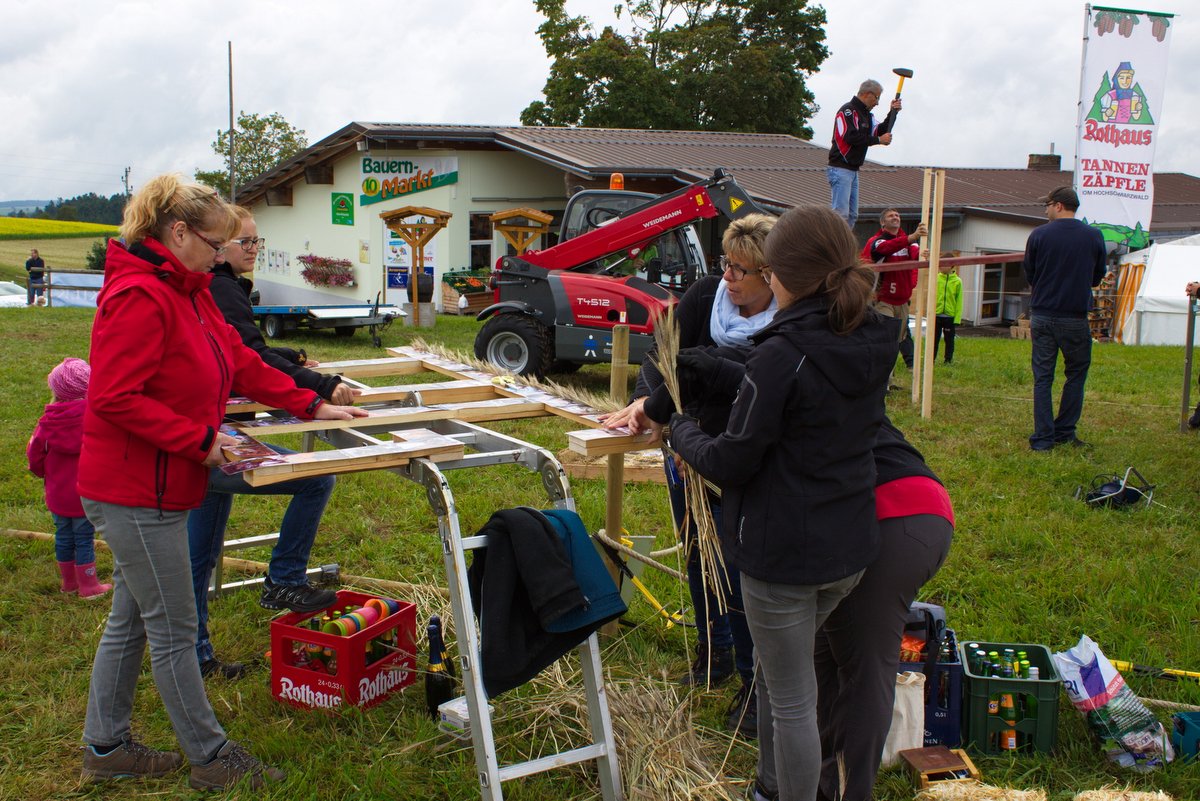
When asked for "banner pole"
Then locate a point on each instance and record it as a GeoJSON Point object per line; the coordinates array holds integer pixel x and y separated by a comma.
{"type": "Point", "coordinates": [1079, 106]}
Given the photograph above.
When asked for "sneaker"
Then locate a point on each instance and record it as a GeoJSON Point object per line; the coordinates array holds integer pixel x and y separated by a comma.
{"type": "Point", "coordinates": [742, 716]}
{"type": "Point", "coordinates": [299, 598]}
{"type": "Point", "coordinates": [128, 760]}
{"type": "Point", "coordinates": [233, 764]}
{"type": "Point", "coordinates": [709, 667]}
{"type": "Point", "coordinates": [229, 670]}
{"type": "Point", "coordinates": [759, 793]}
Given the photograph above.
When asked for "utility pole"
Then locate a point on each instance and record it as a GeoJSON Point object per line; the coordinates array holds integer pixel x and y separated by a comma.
{"type": "Point", "coordinates": [232, 147]}
{"type": "Point", "coordinates": [125, 180]}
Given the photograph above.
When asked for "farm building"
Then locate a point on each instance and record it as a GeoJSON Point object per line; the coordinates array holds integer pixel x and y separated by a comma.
{"type": "Point", "coordinates": [327, 200]}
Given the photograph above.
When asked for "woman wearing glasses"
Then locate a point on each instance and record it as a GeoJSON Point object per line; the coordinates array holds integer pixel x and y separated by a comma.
{"type": "Point", "coordinates": [717, 312]}
{"type": "Point", "coordinates": [163, 364]}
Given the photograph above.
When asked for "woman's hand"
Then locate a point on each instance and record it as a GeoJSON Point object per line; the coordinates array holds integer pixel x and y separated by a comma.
{"type": "Point", "coordinates": [632, 417]}
{"type": "Point", "coordinates": [215, 456]}
{"type": "Point", "coordinates": [344, 394]}
{"type": "Point", "coordinates": [331, 411]}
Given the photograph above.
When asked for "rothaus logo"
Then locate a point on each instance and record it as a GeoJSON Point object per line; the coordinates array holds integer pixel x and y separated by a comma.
{"type": "Point", "coordinates": [304, 694]}
{"type": "Point", "coordinates": [593, 301]}
{"type": "Point", "coordinates": [384, 682]}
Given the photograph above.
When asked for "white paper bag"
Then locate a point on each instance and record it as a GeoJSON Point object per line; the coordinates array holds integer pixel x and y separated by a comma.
{"type": "Point", "coordinates": [908, 717]}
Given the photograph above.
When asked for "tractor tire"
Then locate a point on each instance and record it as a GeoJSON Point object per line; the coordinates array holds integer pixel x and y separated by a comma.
{"type": "Point", "coordinates": [516, 344]}
{"type": "Point", "coordinates": [273, 327]}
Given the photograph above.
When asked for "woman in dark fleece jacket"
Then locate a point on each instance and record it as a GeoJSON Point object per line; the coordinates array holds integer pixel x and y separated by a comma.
{"type": "Point", "coordinates": [797, 474]}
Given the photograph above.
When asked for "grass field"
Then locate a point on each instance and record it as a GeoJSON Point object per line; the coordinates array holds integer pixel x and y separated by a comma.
{"type": "Point", "coordinates": [24, 228]}
{"type": "Point", "coordinates": [64, 254]}
{"type": "Point", "coordinates": [1029, 564]}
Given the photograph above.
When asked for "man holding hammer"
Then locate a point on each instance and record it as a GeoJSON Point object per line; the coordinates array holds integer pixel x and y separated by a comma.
{"type": "Point", "coordinates": [854, 130]}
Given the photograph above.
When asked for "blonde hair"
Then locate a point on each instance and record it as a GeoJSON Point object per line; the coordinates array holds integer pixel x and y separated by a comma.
{"type": "Point", "coordinates": [241, 212]}
{"type": "Point", "coordinates": [745, 237]}
{"type": "Point", "coordinates": [812, 251]}
{"type": "Point", "coordinates": [168, 199]}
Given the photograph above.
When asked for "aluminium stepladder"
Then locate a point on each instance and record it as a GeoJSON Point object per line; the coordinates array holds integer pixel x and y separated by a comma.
{"type": "Point", "coordinates": [492, 448]}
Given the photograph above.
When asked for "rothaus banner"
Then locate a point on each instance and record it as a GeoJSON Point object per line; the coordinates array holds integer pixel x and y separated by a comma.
{"type": "Point", "coordinates": [1121, 100]}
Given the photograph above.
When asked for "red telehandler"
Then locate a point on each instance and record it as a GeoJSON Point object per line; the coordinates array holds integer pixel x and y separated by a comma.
{"type": "Point", "coordinates": [555, 309]}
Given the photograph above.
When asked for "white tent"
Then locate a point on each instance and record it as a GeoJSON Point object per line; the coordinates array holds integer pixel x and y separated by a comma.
{"type": "Point", "coordinates": [1160, 308]}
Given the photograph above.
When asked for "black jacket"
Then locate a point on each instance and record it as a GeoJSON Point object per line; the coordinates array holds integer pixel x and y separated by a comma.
{"type": "Point", "coordinates": [795, 464]}
{"type": "Point", "coordinates": [232, 295]}
{"type": "Point", "coordinates": [854, 130]}
{"type": "Point", "coordinates": [1064, 259]}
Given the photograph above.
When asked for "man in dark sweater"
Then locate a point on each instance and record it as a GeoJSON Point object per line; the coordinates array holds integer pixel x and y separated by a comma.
{"type": "Point", "coordinates": [854, 130]}
{"type": "Point", "coordinates": [1064, 259]}
{"type": "Point", "coordinates": [36, 282]}
{"type": "Point", "coordinates": [286, 586]}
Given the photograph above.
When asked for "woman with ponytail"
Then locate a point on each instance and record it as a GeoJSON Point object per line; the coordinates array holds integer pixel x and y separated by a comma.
{"type": "Point", "coordinates": [163, 364]}
{"type": "Point", "coordinates": [797, 473]}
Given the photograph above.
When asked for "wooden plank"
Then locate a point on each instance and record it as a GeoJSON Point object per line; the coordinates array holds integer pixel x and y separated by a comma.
{"type": "Point", "coordinates": [365, 368]}
{"type": "Point", "coordinates": [290, 425]}
{"type": "Point", "coordinates": [456, 391]}
{"type": "Point", "coordinates": [602, 442]}
{"type": "Point", "coordinates": [413, 444]}
{"type": "Point", "coordinates": [633, 475]}
{"type": "Point", "coordinates": [473, 412]}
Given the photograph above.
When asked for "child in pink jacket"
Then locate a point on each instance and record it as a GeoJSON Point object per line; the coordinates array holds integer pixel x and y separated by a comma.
{"type": "Point", "coordinates": [53, 454]}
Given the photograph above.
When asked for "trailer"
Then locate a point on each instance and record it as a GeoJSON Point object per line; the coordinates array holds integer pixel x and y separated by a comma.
{"type": "Point", "coordinates": [345, 319]}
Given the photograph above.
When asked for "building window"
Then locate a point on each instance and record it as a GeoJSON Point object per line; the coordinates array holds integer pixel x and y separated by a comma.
{"type": "Point", "coordinates": [481, 241]}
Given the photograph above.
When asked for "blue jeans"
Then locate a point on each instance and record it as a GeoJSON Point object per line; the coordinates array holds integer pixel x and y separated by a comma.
{"type": "Point", "coordinates": [73, 540]}
{"type": "Point", "coordinates": [722, 630]}
{"type": "Point", "coordinates": [843, 189]}
{"type": "Point", "coordinates": [289, 559]}
{"type": "Point", "coordinates": [784, 619]}
{"type": "Point", "coordinates": [1050, 335]}
{"type": "Point", "coordinates": [151, 605]}
{"type": "Point", "coordinates": [33, 289]}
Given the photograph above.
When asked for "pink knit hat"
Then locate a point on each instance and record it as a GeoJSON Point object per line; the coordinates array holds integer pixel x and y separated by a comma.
{"type": "Point", "coordinates": [69, 380]}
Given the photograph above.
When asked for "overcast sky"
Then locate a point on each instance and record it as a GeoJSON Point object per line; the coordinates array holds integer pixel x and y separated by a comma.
{"type": "Point", "coordinates": [88, 88]}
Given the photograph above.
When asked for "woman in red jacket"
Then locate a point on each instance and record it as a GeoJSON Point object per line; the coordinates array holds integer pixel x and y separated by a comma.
{"type": "Point", "coordinates": [163, 363]}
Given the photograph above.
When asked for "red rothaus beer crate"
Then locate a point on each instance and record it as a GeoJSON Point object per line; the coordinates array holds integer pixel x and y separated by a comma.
{"type": "Point", "coordinates": [313, 668]}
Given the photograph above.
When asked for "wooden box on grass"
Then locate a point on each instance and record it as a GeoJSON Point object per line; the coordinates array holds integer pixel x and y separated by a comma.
{"type": "Point", "coordinates": [939, 764]}
{"type": "Point", "coordinates": [315, 670]}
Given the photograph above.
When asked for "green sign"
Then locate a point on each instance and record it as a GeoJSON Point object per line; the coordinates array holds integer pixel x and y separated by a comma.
{"type": "Point", "coordinates": [342, 207]}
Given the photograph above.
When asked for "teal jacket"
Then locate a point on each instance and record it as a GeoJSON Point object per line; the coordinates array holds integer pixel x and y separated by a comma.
{"type": "Point", "coordinates": [949, 296]}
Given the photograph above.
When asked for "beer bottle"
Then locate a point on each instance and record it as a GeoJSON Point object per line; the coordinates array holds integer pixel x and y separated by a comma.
{"type": "Point", "coordinates": [1031, 708]}
{"type": "Point", "coordinates": [1008, 713]}
{"type": "Point", "coordinates": [439, 688]}
{"type": "Point", "coordinates": [1025, 668]}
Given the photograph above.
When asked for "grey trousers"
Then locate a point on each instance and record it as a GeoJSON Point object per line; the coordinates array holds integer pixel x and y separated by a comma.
{"type": "Point", "coordinates": [783, 620]}
{"type": "Point", "coordinates": [858, 651]}
{"type": "Point", "coordinates": [152, 602]}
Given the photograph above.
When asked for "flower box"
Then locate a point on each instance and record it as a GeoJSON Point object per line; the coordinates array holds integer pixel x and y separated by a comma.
{"type": "Point", "coordinates": [325, 271]}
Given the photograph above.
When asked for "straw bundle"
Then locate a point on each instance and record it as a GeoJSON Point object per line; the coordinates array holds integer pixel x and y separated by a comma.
{"type": "Point", "coordinates": [976, 791]}
{"type": "Point", "coordinates": [1113, 794]}
{"type": "Point", "coordinates": [601, 403]}
{"type": "Point", "coordinates": [696, 507]}
{"type": "Point", "coordinates": [661, 755]}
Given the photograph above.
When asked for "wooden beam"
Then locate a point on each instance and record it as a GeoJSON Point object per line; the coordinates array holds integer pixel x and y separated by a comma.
{"type": "Point", "coordinates": [602, 442]}
{"type": "Point", "coordinates": [417, 443]}
{"type": "Point", "coordinates": [366, 368]}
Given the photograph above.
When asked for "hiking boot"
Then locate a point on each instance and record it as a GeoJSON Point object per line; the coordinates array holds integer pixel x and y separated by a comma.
{"type": "Point", "coordinates": [742, 716]}
{"type": "Point", "coordinates": [233, 764]}
{"type": "Point", "coordinates": [710, 667]}
{"type": "Point", "coordinates": [298, 598]}
{"type": "Point", "coordinates": [128, 760]}
{"type": "Point", "coordinates": [759, 793]}
{"type": "Point", "coordinates": [228, 670]}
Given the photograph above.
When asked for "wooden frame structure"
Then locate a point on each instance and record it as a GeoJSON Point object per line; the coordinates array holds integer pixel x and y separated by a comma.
{"type": "Point", "coordinates": [420, 432]}
{"type": "Point", "coordinates": [521, 234]}
{"type": "Point", "coordinates": [417, 235]}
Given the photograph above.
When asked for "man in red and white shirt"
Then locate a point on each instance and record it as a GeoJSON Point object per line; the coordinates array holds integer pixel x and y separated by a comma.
{"type": "Point", "coordinates": [895, 290]}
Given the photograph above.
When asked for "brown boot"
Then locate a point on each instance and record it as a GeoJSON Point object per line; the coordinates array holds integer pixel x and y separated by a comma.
{"type": "Point", "coordinates": [233, 764]}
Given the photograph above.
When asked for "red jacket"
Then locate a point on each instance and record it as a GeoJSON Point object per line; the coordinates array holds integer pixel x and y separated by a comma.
{"type": "Point", "coordinates": [53, 455]}
{"type": "Point", "coordinates": [895, 288]}
{"type": "Point", "coordinates": [163, 363]}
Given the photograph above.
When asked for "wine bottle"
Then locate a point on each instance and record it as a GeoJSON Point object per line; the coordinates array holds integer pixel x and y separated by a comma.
{"type": "Point", "coordinates": [439, 687]}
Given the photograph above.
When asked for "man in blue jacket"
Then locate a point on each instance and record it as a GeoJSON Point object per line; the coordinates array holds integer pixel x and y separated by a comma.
{"type": "Point", "coordinates": [1064, 259]}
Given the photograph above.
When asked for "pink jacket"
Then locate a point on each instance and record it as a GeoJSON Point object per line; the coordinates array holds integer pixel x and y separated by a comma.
{"type": "Point", "coordinates": [53, 455]}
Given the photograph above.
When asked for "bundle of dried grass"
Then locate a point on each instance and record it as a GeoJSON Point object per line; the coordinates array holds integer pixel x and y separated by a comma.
{"type": "Point", "coordinates": [596, 401]}
{"type": "Point", "coordinates": [1113, 794]}
{"type": "Point", "coordinates": [662, 757]}
{"type": "Point", "coordinates": [976, 791]}
{"type": "Point", "coordinates": [697, 511]}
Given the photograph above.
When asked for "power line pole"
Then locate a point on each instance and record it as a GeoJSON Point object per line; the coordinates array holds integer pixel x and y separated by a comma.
{"type": "Point", "coordinates": [232, 148]}
{"type": "Point", "coordinates": [125, 180]}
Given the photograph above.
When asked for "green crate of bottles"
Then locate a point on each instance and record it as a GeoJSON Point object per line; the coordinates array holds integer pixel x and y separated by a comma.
{"type": "Point", "coordinates": [1036, 727]}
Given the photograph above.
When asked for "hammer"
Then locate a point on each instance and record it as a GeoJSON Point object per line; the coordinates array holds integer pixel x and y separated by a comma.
{"type": "Point", "coordinates": [903, 72]}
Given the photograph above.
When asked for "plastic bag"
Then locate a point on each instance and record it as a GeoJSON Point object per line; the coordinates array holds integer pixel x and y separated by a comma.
{"type": "Point", "coordinates": [908, 717]}
{"type": "Point", "coordinates": [1130, 734]}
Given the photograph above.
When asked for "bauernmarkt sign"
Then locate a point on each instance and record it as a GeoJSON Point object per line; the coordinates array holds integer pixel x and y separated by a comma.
{"type": "Point", "coordinates": [388, 178]}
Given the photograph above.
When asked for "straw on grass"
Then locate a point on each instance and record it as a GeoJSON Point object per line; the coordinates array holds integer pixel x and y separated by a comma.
{"type": "Point", "coordinates": [976, 791]}
{"type": "Point", "coordinates": [1114, 794]}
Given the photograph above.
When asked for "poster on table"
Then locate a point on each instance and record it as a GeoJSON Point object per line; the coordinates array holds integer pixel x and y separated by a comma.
{"type": "Point", "coordinates": [1120, 107]}
{"type": "Point", "coordinates": [397, 257]}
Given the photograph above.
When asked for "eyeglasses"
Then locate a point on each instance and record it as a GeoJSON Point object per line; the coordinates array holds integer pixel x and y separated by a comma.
{"type": "Point", "coordinates": [736, 270]}
{"type": "Point", "coordinates": [217, 247]}
{"type": "Point", "coordinates": [249, 243]}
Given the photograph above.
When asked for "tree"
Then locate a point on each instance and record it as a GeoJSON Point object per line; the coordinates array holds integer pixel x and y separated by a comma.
{"type": "Point", "coordinates": [717, 65]}
{"type": "Point", "coordinates": [260, 144]}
